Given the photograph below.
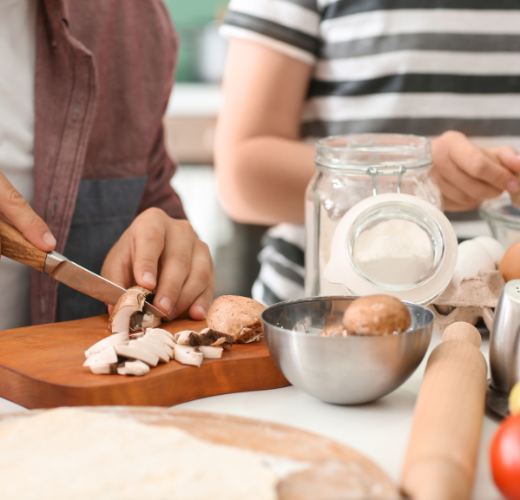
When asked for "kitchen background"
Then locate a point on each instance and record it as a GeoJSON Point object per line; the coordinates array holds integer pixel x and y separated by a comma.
{"type": "Point", "coordinates": [190, 124]}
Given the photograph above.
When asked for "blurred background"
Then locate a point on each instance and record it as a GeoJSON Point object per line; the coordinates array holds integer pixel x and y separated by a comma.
{"type": "Point", "coordinates": [190, 128]}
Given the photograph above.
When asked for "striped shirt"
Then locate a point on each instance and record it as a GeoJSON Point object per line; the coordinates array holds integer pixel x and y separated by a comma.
{"type": "Point", "coordinates": [400, 66]}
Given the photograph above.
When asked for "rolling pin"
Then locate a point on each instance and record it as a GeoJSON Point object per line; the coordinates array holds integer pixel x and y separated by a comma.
{"type": "Point", "coordinates": [442, 453]}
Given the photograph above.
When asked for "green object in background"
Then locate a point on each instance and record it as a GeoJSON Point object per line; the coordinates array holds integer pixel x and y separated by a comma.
{"type": "Point", "coordinates": [189, 17]}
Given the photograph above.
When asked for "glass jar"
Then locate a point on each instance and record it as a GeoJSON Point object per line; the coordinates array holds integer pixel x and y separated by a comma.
{"type": "Point", "coordinates": [350, 169]}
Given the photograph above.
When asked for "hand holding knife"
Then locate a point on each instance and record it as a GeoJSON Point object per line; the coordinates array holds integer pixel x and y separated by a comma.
{"type": "Point", "coordinates": [15, 246]}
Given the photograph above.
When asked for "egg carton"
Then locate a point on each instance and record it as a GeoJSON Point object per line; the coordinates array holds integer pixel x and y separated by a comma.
{"type": "Point", "coordinates": [473, 299]}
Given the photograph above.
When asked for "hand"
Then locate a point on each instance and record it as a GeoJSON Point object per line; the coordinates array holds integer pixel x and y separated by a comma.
{"type": "Point", "coordinates": [15, 210]}
{"type": "Point", "coordinates": [159, 250]}
{"type": "Point", "coordinates": [467, 174]}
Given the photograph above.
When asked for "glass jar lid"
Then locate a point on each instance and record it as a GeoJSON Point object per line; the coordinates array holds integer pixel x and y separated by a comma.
{"type": "Point", "coordinates": [395, 244]}
{"type": "Point", "coordinates": [384, 154]}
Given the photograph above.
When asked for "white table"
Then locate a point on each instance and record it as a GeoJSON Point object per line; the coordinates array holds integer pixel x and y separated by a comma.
{"type": "Point", "coordinates": [380, 430]}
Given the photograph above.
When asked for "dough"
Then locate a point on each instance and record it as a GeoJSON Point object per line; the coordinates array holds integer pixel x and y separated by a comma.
{"type": "Point", "coordinates": [76, 454]}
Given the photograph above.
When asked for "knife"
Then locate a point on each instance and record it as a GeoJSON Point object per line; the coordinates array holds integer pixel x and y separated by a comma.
{"type": "Point", "coordinates": [55, 265]}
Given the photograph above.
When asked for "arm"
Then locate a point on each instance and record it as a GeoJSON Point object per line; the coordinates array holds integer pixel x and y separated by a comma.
{"type": "Point", "coordinates": [262, 168]}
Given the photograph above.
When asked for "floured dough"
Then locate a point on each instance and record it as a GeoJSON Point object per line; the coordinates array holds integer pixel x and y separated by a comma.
{"type": "Point", "coordinates": [76, 454]}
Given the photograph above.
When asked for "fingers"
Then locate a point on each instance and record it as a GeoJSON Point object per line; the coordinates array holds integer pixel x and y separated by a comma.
{"type": "Point", "coordinates": [508, 156]}
{"type": "Point", "coordinates": [149, 237]}
{"type": "Point", "coordinates": [157, 249]}
{"type": "Point", "coordinates": [468, 174]}
{"type": "Point", "coordinates": [117, 267]}
{"type": "Point", "coordinates": [197, 291]}
{"type": "Point", "coordinates": [15, 210]}
{"type": "Point", "coordinates": [186, 269]}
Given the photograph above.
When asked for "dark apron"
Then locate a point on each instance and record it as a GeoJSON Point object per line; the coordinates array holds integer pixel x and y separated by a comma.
{"type": "Point", "coordinates": [105, 208]}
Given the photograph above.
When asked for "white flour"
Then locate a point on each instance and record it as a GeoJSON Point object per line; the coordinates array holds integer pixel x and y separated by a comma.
{"type": "Point", "coordinates": [394, 252]}
{"type": "Point", "coordinates": [75, 454]}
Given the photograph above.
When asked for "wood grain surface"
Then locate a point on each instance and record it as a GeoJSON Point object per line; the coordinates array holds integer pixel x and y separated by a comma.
{"type": "Point", "coordinates": [41, 367]}
{"type": "Point", "coordinates": [335, 470]}
{"type": "Point", "coordinates": [16, 247]}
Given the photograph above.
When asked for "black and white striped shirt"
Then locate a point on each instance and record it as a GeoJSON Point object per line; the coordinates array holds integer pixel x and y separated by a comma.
{"type": "Point", "coordinates": [404, 66]}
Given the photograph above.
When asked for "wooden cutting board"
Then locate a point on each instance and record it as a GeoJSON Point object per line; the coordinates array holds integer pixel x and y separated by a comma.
{"type": "Point", "coordinates": [41, 367]}
{"type": "Point", "coordinates": [336, 472]}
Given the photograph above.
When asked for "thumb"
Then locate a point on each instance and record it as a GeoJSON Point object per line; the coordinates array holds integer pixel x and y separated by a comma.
{"type": "Point", "coordinates": [509, 157]}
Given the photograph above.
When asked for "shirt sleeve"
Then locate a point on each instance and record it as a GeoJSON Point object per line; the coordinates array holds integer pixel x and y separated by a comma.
{"type": "Point", "coordinates": [288, 26]}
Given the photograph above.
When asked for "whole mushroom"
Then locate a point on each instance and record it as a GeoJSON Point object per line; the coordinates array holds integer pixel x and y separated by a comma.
{"type": "Point", "coordinates": [376, 315]}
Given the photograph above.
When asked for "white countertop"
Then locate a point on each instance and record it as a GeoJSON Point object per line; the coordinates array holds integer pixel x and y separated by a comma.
{"type": "Point", "coordinates": [380, 430]}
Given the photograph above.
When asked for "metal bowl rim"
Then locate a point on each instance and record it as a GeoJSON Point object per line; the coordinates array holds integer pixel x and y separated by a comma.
{"type": "Point", "coordinates": [348, 338]}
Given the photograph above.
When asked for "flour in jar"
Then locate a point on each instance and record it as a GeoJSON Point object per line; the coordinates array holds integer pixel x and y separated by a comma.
{"type": "Point", "coordinates": [394, 252]}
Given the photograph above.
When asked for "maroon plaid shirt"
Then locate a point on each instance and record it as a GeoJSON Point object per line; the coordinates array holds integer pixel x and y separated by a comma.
{"type": "Point", "coordinates": [104, 72]}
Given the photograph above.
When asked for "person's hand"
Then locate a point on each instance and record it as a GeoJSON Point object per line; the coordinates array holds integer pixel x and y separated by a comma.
{"type": "Point", "coordinates": [468, 174]}
{"type": "Point", "coordinates": [159, 250]}
{"type": "Point", "coordinates": [15, 210]}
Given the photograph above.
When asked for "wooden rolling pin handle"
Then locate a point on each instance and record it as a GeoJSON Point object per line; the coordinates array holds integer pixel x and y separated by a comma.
{"type": "Point", "coordinates": [442, 453]}
{"type": "Point", "coordinates": [16, 247]}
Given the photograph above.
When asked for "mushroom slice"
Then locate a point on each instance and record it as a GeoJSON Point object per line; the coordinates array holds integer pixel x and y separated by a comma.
{"type": "Point", "coordinates": [136, 368]}
{"type": "Point", "coordinates": [209, 337]}
{"type": "Point", "coordinates": [188, 355]}
{"type": "Point", "coordinates": [158, 344]}
{"type": "Point", "coordinates": [106, 356]}
{"type": "Point", "coordinates": [212, 337]}
{"type": "Point", "coordinates": [210, 352]}
{"type": "Point", "coordinates": [161, 330]}
{"type": "Point", "coordinates": [138, 353]}
{"type": "Point", "coordinates": [103, 368]}
{"type": "Point", "coordinates": [149, 346]}
{"type": "Point", "coordinates": [118, 338]}
{"type": "Point", "coordinates": [183, 338]}
{"type": "Point", "coordinates": [150, 321]}
{"type": "Point", "coordinates": [161, 336]}
{"type": "Point", "coordinates": [122, 319]}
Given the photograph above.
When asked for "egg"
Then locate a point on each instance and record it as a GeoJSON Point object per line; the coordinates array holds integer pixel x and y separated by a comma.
{"type": "Point", "coordinates": [472, 258]}
{"type": "Point", "coordinates": [510, 263]}
{"type": "Point", "coordinates": [494, 248]}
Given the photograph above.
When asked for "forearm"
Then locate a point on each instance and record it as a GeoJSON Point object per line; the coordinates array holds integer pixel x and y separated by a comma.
{"type": "Point", "coordinates": [263, 181]}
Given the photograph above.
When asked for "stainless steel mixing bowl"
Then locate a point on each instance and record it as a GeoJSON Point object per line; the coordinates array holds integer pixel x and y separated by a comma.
{"type": "Point", "coordinates": [342, 370]}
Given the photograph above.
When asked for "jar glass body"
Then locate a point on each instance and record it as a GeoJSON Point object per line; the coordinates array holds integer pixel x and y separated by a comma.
{"type": "Point", "coordinates": [350, 169]}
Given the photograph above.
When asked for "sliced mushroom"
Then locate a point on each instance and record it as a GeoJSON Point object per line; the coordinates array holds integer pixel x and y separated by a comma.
{"type": "Point", "coordinates": [122, 319]}
{"type": "Point", "coordinates": [118, 338]}
{"type": "Point", "coordinates": [150, 321]}
{"type": "Point", "coordinates": [158, 344]}
{"type": "Point", "coordinates": [211, 352]}
{"type": "Point", "coordinates": [205, 337]}
{"type": "Point", "coordinates": [214, 338]}
{"type": "Point", "coordinates": [136, 368]}
{"type": "Point", "coordinates": [152, 347]}
{"type": "Point", "coordinates": [103, 369]}
{"type": "Point", "coordinates": [161, 330]}
{"type": "Point", "coordinates": [138, 353]}
{"type": "Point", "coordinates": [183, 338]}
{"type": "Point", "coordinates": [188, 355]}
{"type": "Point", "coordinates": [161, 335]}
{"type": "Point", "coordinates": [107, 356]}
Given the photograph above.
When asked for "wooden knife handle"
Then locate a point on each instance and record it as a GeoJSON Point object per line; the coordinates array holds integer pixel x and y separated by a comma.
{"type": "Point", "coordinates": [443, 448]}
{"type": "Point", "coordinates": [16, 247]}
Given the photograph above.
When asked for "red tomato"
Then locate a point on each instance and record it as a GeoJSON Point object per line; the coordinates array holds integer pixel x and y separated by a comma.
{"type": "Point", "coordinates": [505, 457]}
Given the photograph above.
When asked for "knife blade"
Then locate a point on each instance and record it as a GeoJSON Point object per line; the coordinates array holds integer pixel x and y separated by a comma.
{"type": "Point", "coordinates": [16, 247]}
{"type": "Point", "coordinates": [62, 269]}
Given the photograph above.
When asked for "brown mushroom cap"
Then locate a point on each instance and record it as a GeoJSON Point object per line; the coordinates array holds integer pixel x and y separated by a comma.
{"type": "Point", "coordinates": [237, 316]}
{"type": "Point", "coordinates": [376, 315]}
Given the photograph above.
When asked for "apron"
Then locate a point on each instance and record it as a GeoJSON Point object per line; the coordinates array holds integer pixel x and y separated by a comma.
{"type": "Point", "coordinates": [104, 209]}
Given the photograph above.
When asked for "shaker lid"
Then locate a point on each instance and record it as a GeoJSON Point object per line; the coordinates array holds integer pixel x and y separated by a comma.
{"type": "Point", "coordinates": [395, 244]}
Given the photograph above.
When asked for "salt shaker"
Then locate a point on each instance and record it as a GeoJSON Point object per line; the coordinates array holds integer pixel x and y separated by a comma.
{"type": "Point", "coordinates": [504, 348]}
